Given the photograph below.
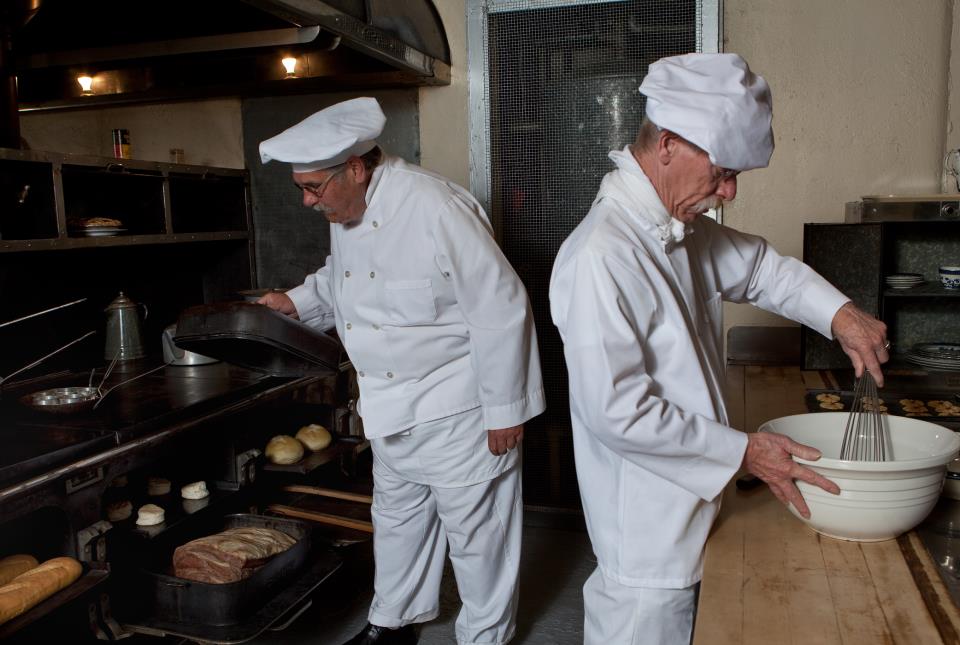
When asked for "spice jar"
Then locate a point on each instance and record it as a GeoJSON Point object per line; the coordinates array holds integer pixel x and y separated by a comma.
{"type": "Point", "coordinates": [121, 143]}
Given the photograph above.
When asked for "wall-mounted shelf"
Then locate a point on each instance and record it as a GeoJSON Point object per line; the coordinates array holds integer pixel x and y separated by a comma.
{"type": "Point", "coordinates": [45, 197]}
{"type": "Point", "coordinates": [55, 244]}
{"type": "Point", "coordinates": [926, 290]}
{"type": "Point", "coordinates": [185, 238]}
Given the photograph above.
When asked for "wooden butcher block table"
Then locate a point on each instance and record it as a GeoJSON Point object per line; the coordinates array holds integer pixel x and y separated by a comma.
{"type": "Point", "coordinates": [769, 579]}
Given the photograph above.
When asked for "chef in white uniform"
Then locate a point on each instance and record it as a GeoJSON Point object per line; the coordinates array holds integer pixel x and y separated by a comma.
{"type": "Point", "coordinates": [439, 328]}
{"type": "Point", "coordinates": [636, 293]}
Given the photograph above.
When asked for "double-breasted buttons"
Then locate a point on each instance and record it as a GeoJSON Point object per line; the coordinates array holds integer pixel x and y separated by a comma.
{"type": "Point", "coordinates": [349, 326]}
{"type": "Point", "coordinates": [373, 274]}
{"type": "Point", "coordinates": [346, 274]}
{"type": "Point", "coordinates": [389, 374]}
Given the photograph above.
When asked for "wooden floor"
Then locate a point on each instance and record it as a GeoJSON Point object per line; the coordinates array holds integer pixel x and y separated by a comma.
{"type": "Point", "coordinates": [769, 579]}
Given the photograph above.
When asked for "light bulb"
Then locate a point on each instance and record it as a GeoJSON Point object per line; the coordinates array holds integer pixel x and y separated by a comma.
{"type": "Point", "coordinates": [289, 64]}
{"type": "Point", "coordinates": [86, 83]}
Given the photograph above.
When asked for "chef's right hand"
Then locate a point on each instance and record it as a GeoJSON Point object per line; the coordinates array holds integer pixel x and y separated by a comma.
{"type": "Point", "coordinates": [768, 456]}
{"type": "Point", "coordinates": [279, 302]}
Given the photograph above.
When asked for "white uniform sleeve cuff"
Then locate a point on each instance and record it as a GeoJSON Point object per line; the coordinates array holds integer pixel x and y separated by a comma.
{"type": "Point", "coordinates": [712, 472]}
{"type": "Point", "coordinates": [516, 412]}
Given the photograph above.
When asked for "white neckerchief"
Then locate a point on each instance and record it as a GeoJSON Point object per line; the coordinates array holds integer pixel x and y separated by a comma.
{"type": "Point", "coordinates": [629, 185]}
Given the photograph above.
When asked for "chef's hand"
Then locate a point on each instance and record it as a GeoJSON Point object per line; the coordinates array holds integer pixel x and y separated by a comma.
{"type": "Point", "coordinates": [279, 302]}
{"type": "Point", "coordinates": [768, 457]}
{"type": "Point", "coordinates": [505, 439]}
{"type": "Point", "coordinates": [863, 338]}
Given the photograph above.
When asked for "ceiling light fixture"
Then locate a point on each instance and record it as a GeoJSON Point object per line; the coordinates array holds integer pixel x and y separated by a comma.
{"type": "Point", "coordinates": [290, 64]}
{"type": "Point", "coordinates": [86, 84]}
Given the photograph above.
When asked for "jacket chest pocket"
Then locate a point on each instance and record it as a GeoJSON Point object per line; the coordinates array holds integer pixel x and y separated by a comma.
{"type": "Point", "coordinates": [409, 302]}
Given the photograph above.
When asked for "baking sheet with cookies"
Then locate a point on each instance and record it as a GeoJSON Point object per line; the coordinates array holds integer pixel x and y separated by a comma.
{"type": "Point", "coordinates": [938, 406]}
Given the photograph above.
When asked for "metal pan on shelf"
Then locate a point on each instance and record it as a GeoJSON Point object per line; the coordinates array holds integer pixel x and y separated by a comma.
{"type": "Point", "coordinates": [62, 400]}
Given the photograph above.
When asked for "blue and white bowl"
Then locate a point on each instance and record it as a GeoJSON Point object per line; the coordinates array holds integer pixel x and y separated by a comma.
{"type": "Point", "coordinates": [950, 277]}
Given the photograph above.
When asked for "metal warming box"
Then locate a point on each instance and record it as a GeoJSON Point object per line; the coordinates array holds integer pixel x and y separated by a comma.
{"type": "Point", "coordinates": [894, 208]}
{"type": "Point", "coordinates": [257, 338]}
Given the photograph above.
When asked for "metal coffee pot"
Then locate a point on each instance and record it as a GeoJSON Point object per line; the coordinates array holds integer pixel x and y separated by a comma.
{"type": "Point", "coordinates": [124, 340]}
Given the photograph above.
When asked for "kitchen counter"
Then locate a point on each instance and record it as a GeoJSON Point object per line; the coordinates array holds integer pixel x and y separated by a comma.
{"type": "Point", "coordinates": [770, 579]}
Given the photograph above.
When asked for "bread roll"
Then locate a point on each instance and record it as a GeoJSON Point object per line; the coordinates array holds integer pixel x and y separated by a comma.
{"type": "Point", "coordinates": [158, 486]}
{"type": "Point", "coordinates": [196, 490]}
{"type": "Point", "coordinates": [284, 449]}
{"type": "Point", "coordinates": [30, 588]}
{"type": "Point", "coordinates": [149, 515]}
{"type": "Point", "coordinates": [13, 565]}
{"type": "Point", "coordinates": [119, 511]}
{"type": "Point", "coordinates": [314, 436]}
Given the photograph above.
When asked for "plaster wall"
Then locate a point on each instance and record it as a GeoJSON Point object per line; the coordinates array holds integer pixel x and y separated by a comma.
{"type": "Point", "coordinates": [860, 108]}
{"type": "Point", "coordinates": [444, 110]}
{"type": "Point", "coordinates": [209, 132]}
{"type": "Point", "coordinates": [863, 104]}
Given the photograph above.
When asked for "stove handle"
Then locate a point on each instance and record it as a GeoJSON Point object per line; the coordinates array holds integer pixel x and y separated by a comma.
{"type": "Point", "coordinates": [297, 611]}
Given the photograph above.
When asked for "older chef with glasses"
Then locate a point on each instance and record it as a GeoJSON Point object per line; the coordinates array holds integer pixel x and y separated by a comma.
{"type": "Point", "coordinates": [439, 328]}
{"type": "Point", "coordinates": [636, 293]}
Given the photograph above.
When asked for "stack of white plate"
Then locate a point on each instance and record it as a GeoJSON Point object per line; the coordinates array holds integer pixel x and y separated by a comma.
{"type": "Point", "coordinates": [938, 356]}
{"type": "Point", "coordinates": [904, 280]}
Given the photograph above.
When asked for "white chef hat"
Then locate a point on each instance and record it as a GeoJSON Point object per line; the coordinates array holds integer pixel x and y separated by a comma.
{"type": "Point", "coordinates": [715, 102]}
{"type": "Point", "coordinates": [329, 137]}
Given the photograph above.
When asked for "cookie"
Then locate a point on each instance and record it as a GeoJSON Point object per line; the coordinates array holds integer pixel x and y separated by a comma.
{"type": "Point", "coordinates": [828, 398]}
{"type": "Point", "coordinates": [831, 405]}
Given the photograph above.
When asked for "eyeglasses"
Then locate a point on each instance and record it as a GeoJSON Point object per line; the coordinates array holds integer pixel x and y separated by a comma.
{"type": "Point", "coordinates": [723, 174]}
{"type": "Point", "coordinates": [317, 191]}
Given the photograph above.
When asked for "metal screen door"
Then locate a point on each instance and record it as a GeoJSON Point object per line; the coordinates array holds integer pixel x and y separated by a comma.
{"type": "Point", "coordinates": [553, 88]}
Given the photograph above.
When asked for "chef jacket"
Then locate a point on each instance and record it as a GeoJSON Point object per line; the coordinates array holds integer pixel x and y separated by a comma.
{"type": "Point", "coordinates": [432, 315]}
{"type": "Point", "coordinates": [640, 318]}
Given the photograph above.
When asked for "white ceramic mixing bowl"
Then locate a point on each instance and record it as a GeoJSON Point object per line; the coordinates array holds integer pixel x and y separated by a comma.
{"type": "Point", "coordinates": [877, 500]}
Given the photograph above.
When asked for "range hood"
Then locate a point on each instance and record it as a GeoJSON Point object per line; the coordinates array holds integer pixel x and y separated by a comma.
{"type": "Point", "coordinates": [183, 49]}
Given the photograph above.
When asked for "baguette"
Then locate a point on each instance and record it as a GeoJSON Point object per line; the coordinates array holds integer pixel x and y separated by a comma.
{"type": "Point", "coordinates": [37, 584]}
{"type": "Point", "coordinates": [13, 565]}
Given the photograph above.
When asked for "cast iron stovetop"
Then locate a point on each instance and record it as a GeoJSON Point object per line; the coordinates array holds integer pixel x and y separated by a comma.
{"type": "Point", "coordinates": [39, 441]}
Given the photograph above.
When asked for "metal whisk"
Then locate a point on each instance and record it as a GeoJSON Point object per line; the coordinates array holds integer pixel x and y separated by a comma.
{"type": "Point", "coordinates": [865, 437]}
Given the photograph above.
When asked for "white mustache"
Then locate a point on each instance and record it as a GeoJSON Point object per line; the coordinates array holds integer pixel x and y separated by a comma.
{"type": "Point", "coordinates": [706, 204]}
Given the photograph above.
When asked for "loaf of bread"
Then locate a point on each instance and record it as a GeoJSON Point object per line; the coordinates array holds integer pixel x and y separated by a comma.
{"type": "Point", "coordinates": [229, 556]}
{"type": "Point", "coordinates": [284, 449]}
{"type": "Point", "coordinates": [13, 565]}
{"type": "Point", "coordinates": [37, 584]}
{"type": "Point", "coordinates": [314, 436]}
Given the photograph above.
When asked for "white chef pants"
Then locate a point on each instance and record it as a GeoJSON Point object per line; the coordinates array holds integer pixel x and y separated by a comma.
{"type": "Point", "coordinates": [413, 523]}
{"type": "Point", "coordinates": [615, 614]}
